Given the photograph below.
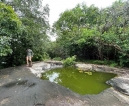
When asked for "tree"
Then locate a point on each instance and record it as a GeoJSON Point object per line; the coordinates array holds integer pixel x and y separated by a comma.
{"type": "Point", "coordinates": [95, 33]}
{"type": "Point", "coordinates": [34, 17]}
{"type": "Point", "coordinates": [11, 29]}
{"type": "Point", "coordinates": [73, 25]}
{"type": "Point", "coordinates": [10, 26]}
{"type": "Point", "coordinates": [115, 31]}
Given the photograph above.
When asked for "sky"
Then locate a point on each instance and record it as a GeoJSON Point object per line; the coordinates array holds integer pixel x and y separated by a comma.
{"type": "Point", "coordinates": [59, 6]}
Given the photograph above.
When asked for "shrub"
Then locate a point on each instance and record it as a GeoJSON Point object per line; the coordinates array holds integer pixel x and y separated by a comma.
{"type": "Point", "coordinates": [70, 61]}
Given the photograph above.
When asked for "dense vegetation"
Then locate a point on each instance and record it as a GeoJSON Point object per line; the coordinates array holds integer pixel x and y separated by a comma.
{"type": "Point", "coordinates": [89, 33]}
{"type": "Point", "coordinates": [23, 25]}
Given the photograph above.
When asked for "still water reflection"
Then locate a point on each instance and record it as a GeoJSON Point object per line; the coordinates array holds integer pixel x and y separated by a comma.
{"type": "Point", "coordinates": [79, 81]}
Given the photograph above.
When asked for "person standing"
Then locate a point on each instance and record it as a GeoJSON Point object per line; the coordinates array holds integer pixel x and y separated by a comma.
{"type": "Point", "coordinates": [29, 55]}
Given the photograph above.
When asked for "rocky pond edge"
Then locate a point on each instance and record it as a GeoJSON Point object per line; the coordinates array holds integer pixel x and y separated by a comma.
{"type": "Point", "coordinates": [119, 83]}
{"type": "Point", "coordinates": [22, 86]}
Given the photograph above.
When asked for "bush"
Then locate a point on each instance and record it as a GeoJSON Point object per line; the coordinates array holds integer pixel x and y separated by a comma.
{"type": "Point", "coordinates": [70, 61]}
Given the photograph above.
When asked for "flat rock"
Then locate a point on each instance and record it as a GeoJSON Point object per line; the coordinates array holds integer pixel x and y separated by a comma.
{"type": "Point", "coordinates": [19, 86]}
{"type": "Point", "coordinates": [121, 84]}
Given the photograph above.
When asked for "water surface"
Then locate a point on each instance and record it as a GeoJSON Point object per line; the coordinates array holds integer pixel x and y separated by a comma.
{"type": "Point", "coordinates": [79, 81]}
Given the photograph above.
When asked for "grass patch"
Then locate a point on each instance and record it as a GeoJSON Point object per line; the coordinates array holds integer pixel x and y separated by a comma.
{"type": "Point", "coordinates": [100, 62]}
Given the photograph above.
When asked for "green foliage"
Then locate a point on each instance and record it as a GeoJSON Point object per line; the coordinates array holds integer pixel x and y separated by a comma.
{"type": "Point", "coordinates": [123, 61]}
{"type": "Point", "coordinates": [41, 57]}
{"type": "Point", "coordinates": [87, 32]}
{"type": "Point", "coordinates": [75, 30]}
{"type": "Point", "coordinates": [57, 58]}
{"type": "Point", "coordinates": [104, 62]}
{"type": "Point", "coordinates": [27, 31]}
{"type": "Point", "coordinates": [10, 26]}
{"type": "Point", "coordinates": [10, 35]}
{"type": "Point", "coordinates": [93, 33]}
{"type": "Point", "coordinates": [46, 56]}
{"type": "Point", "coordinates": [70, 61]}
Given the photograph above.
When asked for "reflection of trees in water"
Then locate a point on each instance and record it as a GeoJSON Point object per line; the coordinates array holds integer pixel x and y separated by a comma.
{"type": "Point", "coordinates": [86, 82]}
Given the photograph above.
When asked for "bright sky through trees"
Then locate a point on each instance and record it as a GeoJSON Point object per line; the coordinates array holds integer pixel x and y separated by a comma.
{"type": "Point", "coordinates": [58, 6]}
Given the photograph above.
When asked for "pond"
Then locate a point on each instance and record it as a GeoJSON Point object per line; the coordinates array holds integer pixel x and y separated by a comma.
{"type": "Point", "coordinates": [82, 82]}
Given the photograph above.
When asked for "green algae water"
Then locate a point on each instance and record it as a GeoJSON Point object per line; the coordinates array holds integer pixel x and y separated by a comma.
{"type": "Point", "coordinates": [79, 81]}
